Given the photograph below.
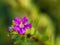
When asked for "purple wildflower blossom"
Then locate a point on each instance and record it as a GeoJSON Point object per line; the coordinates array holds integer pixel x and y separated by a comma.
{"type": "Point", "coordinates": [9, 29]}
{"type": "Point", "coordinates": [17, 21]}
{"type": "Point", "coordinates": [21, 25]}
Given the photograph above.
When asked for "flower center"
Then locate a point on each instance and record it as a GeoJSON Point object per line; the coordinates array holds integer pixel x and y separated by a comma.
{"type": "Point", "coordinates": [21, 25]}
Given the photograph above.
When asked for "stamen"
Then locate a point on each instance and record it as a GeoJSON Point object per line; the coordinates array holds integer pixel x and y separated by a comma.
{"type": "Point", "coordinates": [21, 25]}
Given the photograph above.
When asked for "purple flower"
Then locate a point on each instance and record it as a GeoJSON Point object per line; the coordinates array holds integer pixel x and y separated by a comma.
{"type": "Point", "coordinates": [17, 21]}
{"type": "Point", "coordinates": [21, 25]}
{"type": "Point", "coordinates": [9, 29]}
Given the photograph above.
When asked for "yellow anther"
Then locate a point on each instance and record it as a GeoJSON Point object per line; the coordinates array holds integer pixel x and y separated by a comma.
{"type": "Point", "coordinates": [21, 25]}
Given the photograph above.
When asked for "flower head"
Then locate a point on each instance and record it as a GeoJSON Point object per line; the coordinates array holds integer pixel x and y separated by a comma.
{"type": "Point", "coordinates": [21, 25]}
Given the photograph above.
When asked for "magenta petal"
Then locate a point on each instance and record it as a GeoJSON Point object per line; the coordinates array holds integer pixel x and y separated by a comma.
{"type": "Point", "coordinates": [24, 20]}
{"type": "Point", "coordinates": [16, 28]}
{"type": "Point", "coordinates": [17, 20]}
{"type": "Point", "coordinates": [28, 26]}
{"type": "Point", "coordinates": [22, 31]}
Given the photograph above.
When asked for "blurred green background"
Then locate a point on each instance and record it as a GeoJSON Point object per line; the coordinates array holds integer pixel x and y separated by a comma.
{"type": "Point", "coordinates": [43, 14]}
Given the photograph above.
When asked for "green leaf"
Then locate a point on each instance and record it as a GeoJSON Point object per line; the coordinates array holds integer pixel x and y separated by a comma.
{"type": "Point", "coordinates": [45, 38]}
{"type": "Point", "coordinates": [14, 36]}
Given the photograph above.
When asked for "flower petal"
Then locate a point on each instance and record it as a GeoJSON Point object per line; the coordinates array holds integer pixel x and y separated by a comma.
{"type": "Point", "coordinates": [9, 29]}
{"type": "Point", "coordinates": [28, 26]}
{"type": "Point", "coordinates": [22, 31]}
{"type": "Point", "coordinates": [16, 28]}
{"type": "Point", "coordinates": [17, 21]}
{"type": "Point", "coordinates": [24, 20]}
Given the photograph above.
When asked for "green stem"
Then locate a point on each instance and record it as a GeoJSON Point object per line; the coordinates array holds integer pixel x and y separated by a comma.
{"type": "Point", "coordinates": [25, 39]}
